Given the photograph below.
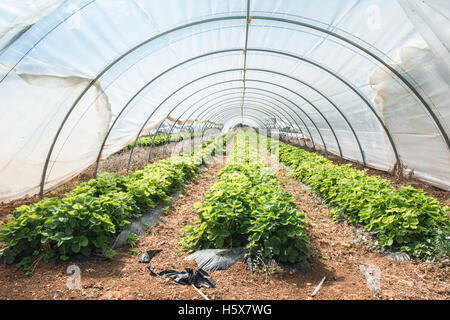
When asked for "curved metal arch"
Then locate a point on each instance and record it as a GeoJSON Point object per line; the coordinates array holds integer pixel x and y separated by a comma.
{"type": "Point", "coordinates": [290, 101]}
{"type": "Point", "coordinates": [235, 105]}
{"type": "Point", "coordinates": [222, 116]}
{"type": "Point", "coordinates": [201, 106]}
{"type": "Point", "coordinates": [128, 103]}
{"type": "Point", "coordinates": [238, 80]}
{"type": "Point", "coordinates": [308, 102]}
{"type": "Point", "coordinates": [206, 111]}
{"type": "Point", "coordinates": [229, 110]}
{"type": "Point", "coordinates": [261, 101]}
{"type": "Point", "coordinates": [271, 83]}
{"type": "Point", "coordinates": [355, 135]}
{"type": "Point", "coordinates": [264, 18]}
{"type": "Point", "coordinates": [251, 117]}
{"type": "Point", "coordinates": [262, 90]}
{"type": "Point", "coordinates": [108, 67]}
{"type": "Point", "coordinates": [184, 86]}
{"type": "Point", "coordinates": [298, 139]}
{"type": "Point", "coordinates": [252, 107]}
{"type": "Point", "coordinates": [374, 56]}
{"type": "Point", "coordinates": [276, 127]}
{"type": "Point", "coordinates": [283, 20]}
{"type": "Point", "coordinates": [246, 115]}
{"type": "Point", "coordinates": [322, 95]}
{"type": "Point", "coordinates": [253, 99]}
{"type": "Point", "coordinates": [172, 94]}
{"type": "Point", "coordinates": [216, 52]}
{"type": "Point", "coordinates": [209, 126]}
{"type": "Point", "coordinates": [157, 108]}
{"type": "Point", "coordinates": [234, 88]}
{"type": "Point", "coordinates": [253, 93]}
{"type": "Point", "coordinates": [257, 109]}
{"type": "Point", "coordinates": [256, 119]}
{"type": "Point", "coordinates": [298, 107]}
{"type": "Point", "coordinates": [126, 106]}
{"type": "Point", "coordinates": [237, 69]}
{"type": "Point", "coordinates": [223, 102]}
{"type": "Point", "coordinates": [355, 90]}
{"type": "Point", "coordinates": [312, 139]}
{"type": "Point", "coordinates": [306, 114]}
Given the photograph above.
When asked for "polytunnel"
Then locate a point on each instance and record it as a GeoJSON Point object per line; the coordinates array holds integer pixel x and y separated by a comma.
{"type": "Point", "coordinates": [80, 79]}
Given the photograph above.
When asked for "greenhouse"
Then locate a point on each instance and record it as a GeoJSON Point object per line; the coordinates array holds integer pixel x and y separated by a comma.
{"type": "Point", "coordinates": [307, 139]}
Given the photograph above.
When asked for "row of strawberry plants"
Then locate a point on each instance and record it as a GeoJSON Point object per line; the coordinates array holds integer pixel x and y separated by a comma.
{"type": "Point", "coordinates": [247, 207]}
{"type": "Point", "coordinates": [242, 153]}
{"type": "Point", "coordinates": [160, 139]}
{"type": "Point", "coordinates": [404, 219]}
{"type": "Point", "coordinates": [89, 217]}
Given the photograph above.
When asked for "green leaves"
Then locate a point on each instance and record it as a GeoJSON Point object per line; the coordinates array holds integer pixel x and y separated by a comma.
{"type": "Point", "coordinates": [88, 219]}
{"type": "Point", "coordinates": [76, 247]}
{"type": "Point", "coordinates": [161, 138]}
{"type": "Point", "coordinates": [109, 253]}
{"type": "Point", "coordinates": [399, 218]}
{"type": "Point", "coordinates": [248, 207]}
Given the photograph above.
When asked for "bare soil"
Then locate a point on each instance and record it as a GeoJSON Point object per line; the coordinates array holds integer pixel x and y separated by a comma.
{"type": "Point", "coordinates": [336, 254]}
{"type": "Point", "coordinates": [122, 277]}
{"type": "Point", "coordinates": [338, 251]}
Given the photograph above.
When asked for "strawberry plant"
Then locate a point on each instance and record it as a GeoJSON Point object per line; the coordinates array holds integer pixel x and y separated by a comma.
{"type": "Point", "coordinates": [248, 207]}
{"type": "Point", "coordinates": [162, 138]}
{"type": "Point", "coordinates": [404, 219]}
{"type": "Point", "coordinates": [88, 219]}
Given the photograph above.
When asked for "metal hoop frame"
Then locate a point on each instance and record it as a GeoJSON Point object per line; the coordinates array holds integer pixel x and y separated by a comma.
{"type": "Point", "coordinates": [266, 18]}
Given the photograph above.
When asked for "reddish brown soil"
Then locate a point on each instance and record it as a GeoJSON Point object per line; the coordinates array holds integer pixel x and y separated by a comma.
{"type": "Point", "coordinates": [122, 277]}
{"type": "Point", "coordinates": [338, 252]}
{"type": "Point", "coordinates": [336, 255]}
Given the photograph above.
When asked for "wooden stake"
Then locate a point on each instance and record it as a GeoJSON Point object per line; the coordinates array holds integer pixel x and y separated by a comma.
{"type": "Point", "coordinates": [201, 293]}
{"type": "Point", "coordinates": [189, 292]}
{"type": "Point", "coordinates": [318, 287]}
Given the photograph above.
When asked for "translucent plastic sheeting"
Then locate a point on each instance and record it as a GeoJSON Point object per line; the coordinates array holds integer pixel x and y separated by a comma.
{"type": "Point", "coordinates": [409, 128]}
{"type": "Point", "coordinates": [80, 79]}
{"type": "Point", "coordinates": [430, 18]}
{"type": "Point", "coordinates": [24, 143]}
{"type": "Point", "coordinates": [16, 17]}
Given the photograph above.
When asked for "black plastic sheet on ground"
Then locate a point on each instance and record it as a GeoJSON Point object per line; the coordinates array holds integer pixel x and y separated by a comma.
{"type": "Point", "coordinates": [199, 279]}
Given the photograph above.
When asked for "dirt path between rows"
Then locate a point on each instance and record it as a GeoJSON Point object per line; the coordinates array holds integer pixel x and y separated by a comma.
{"type": "Point", "coordinates": [124, 278]}
{"type": "Point", "coordinates": [338, 252]}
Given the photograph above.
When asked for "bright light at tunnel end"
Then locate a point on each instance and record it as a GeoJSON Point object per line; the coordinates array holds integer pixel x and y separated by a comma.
{"type": "Point", "coordinates": [223, 154]}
